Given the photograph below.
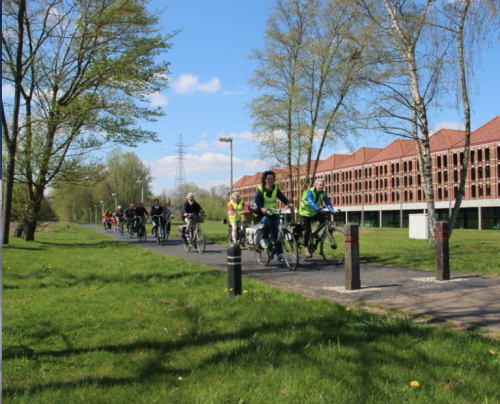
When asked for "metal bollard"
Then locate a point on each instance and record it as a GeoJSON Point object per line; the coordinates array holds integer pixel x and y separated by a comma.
{"type": "Point", "coordinates": [234, 270]}
{"type": "Point", "coordinates": [442, 251]}
{"type": "Point", "coordinates": [351, 252]}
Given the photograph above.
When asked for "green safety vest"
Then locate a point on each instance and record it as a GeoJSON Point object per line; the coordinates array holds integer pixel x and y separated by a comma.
{"type": "Point", "coordinates": [237, 209]}
{"type": "Point", "coordinates": [271, 202]}
{"type": "Point", "coordinates": [306, 209]}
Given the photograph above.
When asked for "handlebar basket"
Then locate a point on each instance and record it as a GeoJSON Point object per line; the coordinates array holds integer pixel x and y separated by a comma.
{"type": "Point", "coordinates": [143, 219]}
{"type": "Point", "coordinates": [246, 216]}
{"type": "Point", "coordinates": [200, 219]}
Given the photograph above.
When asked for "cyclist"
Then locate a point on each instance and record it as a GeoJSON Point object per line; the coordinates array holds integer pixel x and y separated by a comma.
{"type": "Point", "coordinates": [106, 220]}
{"type": "Point", "coordinates": [167, 213]}
{"type": "Point", "coordinates": [140, 211]}
{"type": "Point", "coordinates": [234, 208]}
{"type": "Point", "coordinates": [119, 215]}
{"type": "Point", "coordinates": [190, 206]}
{"type": "Point", "coordinates": [310, 209]}
{"type": "Point", "coordinates": [157, 210]}
{"type": "Point", "coordinates": [130, 215]}
{"type": "Point", "coordinates": [266, 197]}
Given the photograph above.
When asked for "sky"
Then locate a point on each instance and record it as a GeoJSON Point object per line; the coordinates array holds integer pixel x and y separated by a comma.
{"type": "Point", "coordinates": [208, 93]}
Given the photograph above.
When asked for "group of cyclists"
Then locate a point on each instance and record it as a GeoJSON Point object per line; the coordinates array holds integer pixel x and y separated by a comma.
{"type": "Point", "coordinates": [314, 204]}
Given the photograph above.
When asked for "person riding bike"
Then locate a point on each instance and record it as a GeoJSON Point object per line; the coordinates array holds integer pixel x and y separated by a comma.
{"type": "Point", "coordinates": [157, 210]}
{"type": "Point", "coordinates": [234, 208]}
{"type": "Point", "coordinates": [266, 197]}
{"type": "Point", "coordinates": [140, 211]}
{"type": "Point", "coordinates": [129, 214]}
{"type": "Point", "coordinates": [119, 215]}
{"type": "Point", "coordinates": [310, 209]}
{"type": "Point", "coordinates": [190, 206]}
{"type": "Point", "coordinates": [167, 214]}
{"type": "Point", "coordinates": [106, 220]}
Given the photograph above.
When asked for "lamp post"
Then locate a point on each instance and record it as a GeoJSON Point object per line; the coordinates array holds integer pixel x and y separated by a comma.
{"type": "Point", "coordinates": [142, 189]}
{"type": "Point", "coordinates": [227, 139]}
{"type": "Point", "coordinates": [116, 200]}
{"type": "Point", "coordinates": [95, 207]}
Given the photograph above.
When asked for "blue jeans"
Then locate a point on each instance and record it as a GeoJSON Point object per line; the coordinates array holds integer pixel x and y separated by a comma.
{"type": "Point", "coordinates": [271, 223]}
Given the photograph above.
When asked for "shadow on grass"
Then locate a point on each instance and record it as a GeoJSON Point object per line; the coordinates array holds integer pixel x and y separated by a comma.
{"type": "Point", "coordinates": [259, 345]}
{"type": "Point", "coordinates": [90, 244]}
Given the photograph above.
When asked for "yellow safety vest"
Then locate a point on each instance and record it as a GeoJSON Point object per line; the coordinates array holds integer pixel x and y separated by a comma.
{"type": "Point", "coordinates": [269, 202]}
{"type": "Point", "coordinates": [307, 210]}
{"type": "Point", "coordinates": [237, 209]}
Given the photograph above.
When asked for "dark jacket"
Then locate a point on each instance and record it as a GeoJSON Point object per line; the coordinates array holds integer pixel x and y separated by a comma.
{"type": "Point", "coordinates": [188, 208]}
{"type": "Point", "coordinates": [155, 211]}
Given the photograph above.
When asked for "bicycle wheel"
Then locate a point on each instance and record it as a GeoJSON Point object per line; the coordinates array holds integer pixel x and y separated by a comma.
{"type": "Point", "coordinates": [200, 241]}
{"type": "Point", "coordinates": [185, 243]}
{"type": "Point", "coordinates": [290, 251]}
{"type": "Point", "coordinates": [229, 235]}
{"type": "Point", "coordinates": [262, 256]}
{"type": "Point", "coordinates": [332, 247]}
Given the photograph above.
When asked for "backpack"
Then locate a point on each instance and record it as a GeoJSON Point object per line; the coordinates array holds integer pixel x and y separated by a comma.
{"type": "Point", "coordinates": [253, 207]}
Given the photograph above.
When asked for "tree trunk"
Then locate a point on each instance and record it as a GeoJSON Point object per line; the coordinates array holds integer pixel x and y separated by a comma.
{"type": "Point", "coordinates": [29, 230]}
{"type": "Point", "coordinates": [30, 214]}
{"type": "Point", "coordinates": [7, 202]}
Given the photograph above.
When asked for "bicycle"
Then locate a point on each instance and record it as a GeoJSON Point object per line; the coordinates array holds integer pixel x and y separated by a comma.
{"type": "Point", "coordinates": [119, 224]}
{"type": "Point", "coordinates": [288, 241]}
{"type": "Point", "coordinates": [327, 237]}
{"type": "Point", "coordinates": [130, 227]}
{"type": "Point", "coordinates": [167, 219]}
{"type": "Point", "coordinates": [107, 225]}
{"type": "Point", "coordinates": [141, 231]}
{"type": "Point", "coordinates": [159, 230]}
{"type": "Point", "coordinates": [246, 219]}
{"type": "Point", "coordinates": [195, 237]}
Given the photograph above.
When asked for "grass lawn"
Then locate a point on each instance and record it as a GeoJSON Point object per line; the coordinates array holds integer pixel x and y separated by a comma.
{"type": "Point", "coordinates": [471, 251]}
{"type": "Point", "coordinates": [90, 319]}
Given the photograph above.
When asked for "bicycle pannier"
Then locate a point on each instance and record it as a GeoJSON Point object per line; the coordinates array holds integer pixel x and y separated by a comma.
{"type": "Point", "coordinates": [254, 234]}
{"type": "Point", "coordinates": [180, 231]}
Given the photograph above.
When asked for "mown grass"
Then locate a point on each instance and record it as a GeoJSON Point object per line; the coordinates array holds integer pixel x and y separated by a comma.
{"type": "Point", "coordinates": [90, 319]}
{"type": "Point", "coordinates": [471, 251]}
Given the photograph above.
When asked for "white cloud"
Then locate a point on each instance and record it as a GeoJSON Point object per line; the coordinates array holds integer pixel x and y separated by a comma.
{"type": "Point", "coordinates": [243, 135]}
{"type": "Point", "coordinates": [227, 92]}
{"type": "Point", "coordinates": [7, 90]}
{"type": "Point", "coordinates": [345, 151]}
{"type": "Point", "coordinates": [447, 125]}
{"type": "Point", "coordinates": [188, 83]}
{"type": "Point", "coordinates": [158, 99]}
{"type": "Point", "coordinates": [204, 134]}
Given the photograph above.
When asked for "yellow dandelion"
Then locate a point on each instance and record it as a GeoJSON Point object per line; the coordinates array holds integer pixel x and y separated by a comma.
{"type": "Point", "coordinates": [259, 299]}
{"type": "Point", "coordinates": [347, 308]}
{"type": "Point", "coordinates": [245, 292]}
{"type": "Point", "coordinates": [314, 308]}
{"type": "Point", "coordinates": [180, 378]}
{"type": "Point", "coordinates": [226, 290]}
{"type": "Point", "coordinates": [49, 266]}
{"type": "Point", "coordinates": [415, 383]}
{"type": "Point", "coordinates": [492, 352]}
{"type": "Point", "coordinates": [8, 267]}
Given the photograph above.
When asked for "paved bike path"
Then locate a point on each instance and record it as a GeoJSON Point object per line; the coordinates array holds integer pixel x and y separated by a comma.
{"type": "Point", "coordinates": [468, 299]}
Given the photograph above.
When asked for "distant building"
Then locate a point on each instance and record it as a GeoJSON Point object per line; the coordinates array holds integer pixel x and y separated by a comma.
{"type": "Point", "coordinates": [380, 187]}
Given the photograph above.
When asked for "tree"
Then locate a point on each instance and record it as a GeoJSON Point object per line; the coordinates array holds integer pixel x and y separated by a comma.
{"type": "Point", "coordinates": [83, 69]}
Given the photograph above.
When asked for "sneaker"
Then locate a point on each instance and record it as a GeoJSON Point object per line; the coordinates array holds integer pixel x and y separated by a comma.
{"type": "Point", "coordinates": [281, 258]}
{"type": "Point", "coordinates": [263, 244]}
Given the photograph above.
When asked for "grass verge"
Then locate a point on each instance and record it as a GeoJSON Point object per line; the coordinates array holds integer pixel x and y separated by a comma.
{"type": "Point", "coordinates": [90, 319]}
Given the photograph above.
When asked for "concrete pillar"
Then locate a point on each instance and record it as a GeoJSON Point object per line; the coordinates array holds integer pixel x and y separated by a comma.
{"type": "Point", "coordinates": [234, 287]}
{"type": "Point", "coordinates": [351, 252]}
{"type": "Point", "coordinates": [480, 218]}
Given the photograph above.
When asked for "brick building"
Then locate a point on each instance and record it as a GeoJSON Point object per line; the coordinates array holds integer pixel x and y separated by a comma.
{"type": "Point", "coordinates": [381, 186]}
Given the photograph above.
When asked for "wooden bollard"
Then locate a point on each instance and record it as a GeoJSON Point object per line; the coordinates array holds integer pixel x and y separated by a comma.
{"type": "Point", "coordinates": [234, 270]}
{"type": "Point", "coordinates": [442, 238]}
{"type": "Point", "coordinates": [351, 252]}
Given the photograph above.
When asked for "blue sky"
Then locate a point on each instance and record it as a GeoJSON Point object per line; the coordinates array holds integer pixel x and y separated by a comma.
{"type": "Point", "coordinates": [209, 91]}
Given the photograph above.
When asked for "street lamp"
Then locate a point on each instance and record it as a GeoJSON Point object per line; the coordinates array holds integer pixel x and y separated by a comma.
{"type": "Point", "coordinates": [142, 190]}
{"type": "Point", "coordinates": [102, 206]}
{"type": "Point", "coordinates": [227, 139]}
{"type": "Point", "coordinates": [95, 207]}
{"type": "Point", "coordinates": [116, 201]}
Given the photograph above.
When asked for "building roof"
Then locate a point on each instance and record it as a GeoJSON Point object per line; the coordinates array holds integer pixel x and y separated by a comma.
{"type": "Point", "coordinates": [395, 150]}
{"type": "Point", "coordinates": [489, 132]}
{"type": "Point", "coordinates": [360, 157]}
{"type": "Point", "coordinates": [331, 162]}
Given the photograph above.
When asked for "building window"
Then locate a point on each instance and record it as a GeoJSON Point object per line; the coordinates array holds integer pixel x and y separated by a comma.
{"type": "Point", "coordinates": [392, 182]}
{"type": "Point", "coordinates": [439, 161]}
{"type": "Point", "coordinates": [487, 171]}
{"type": "Point", "coordinates": [461, 158]}
{"type": "Point", "coordinates": [397, 166]}
{"type": "Point", "coordinates": [455, 192]}
{"type": "Point", "coordinates": [370, 171]}
{"type": "Point", "coordinates": [392, 168]}
{"type": "Point", "coordinates": [455, 159]}
{"type": "Point", "coordinates": [480, 190]}
{"type": "Point", "coordinates": [385, 183]}
{"type": "Point", "coordinates": [480, 172]}
{"type": "Point", "coordinates": [397, 182]}
{"type": "Point", "coordinates": [488, 190]}
{"type": "Point", "coordinates": [473, 191]}
{"type": "Point", "coordinates": [385, 197]}
{"type": "Point", "coordinates": [445, 176]}
{"type": "Point", "coordinates": [392, 196]}
{"type": "Point", "coordinates": [473, 174]}
{"type": "Point", "coordinates": [397, 195]}
{"type": "Point", "coordinates": [406, 196]}
{"type": "Point", "coordinates": [455, 175]}
{"type": "Point", "coordinates": [487, 154]}
{"type": "Point", "coordinates": [419, 180]}
{"type": "Point", "coordinates": [439, 177]}
{"type": "Point", "coordinates": [404, 166]}
{"type": "Point", "coordinates": [479, 155]}
{"type": "Point", "coordinates": [410, 164]}
{"type": "Point", "coordinates": [446, 193]}
{"type": "Point", "coordinates": [440, 193]}
{"type": "Point", "coordinates": [419, 194]}
{"type": "Point", "coordinates": [411, 180]}
{"type": "Point", "coordinates": [445, 161]}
